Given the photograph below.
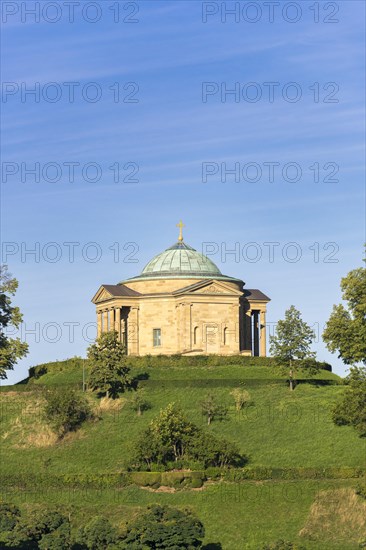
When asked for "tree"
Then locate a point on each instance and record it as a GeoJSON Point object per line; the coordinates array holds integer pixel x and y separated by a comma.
{"type": "Point", "coordinates": [45, 529]}
{"type": "Point", "coordinates": [345, 331]}
{"type": "Point", "coordinates": [351, 410]}
{"type": "Point", "coordinates": [173, 431]}
{"type": "Point", "coordinates": [66, 410]}
{"type": "Point", "coordinates": [212, 451]}
{"type": "Point", "coordinates": [212, 409]}
{"type": "Point", "coordinates": [139, 402]}
{"type": "Point", "coordinates": [11, 349]}
{"type": "Point", "coordinates": [292, 341]}
{"type": "Point", "coordinates": [164, 527]}
{"type": "Point", "coordinates": [9, 516]}
{"type": "Point", "coordinates": [241, 398]}
{"type": "Point", "coordinates": [98, 534]}
{"type": "Point", "coordinates": [109, 372]}
{"type": "Point", "coordinates": [171, 437]}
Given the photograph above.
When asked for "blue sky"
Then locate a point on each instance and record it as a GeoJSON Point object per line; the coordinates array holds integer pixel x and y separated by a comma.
{"type": "Point", "coordinates": [166, 136]}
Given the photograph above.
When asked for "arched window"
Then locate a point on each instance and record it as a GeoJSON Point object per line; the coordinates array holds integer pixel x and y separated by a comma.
{"type": "Point", "coordinates": [195, 335]}
{"type": "Point", "coordinates": [225, 336]}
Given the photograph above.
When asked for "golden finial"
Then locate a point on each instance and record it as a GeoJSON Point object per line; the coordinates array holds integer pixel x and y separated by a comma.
{"type": "Point", "coordinates": [180, 225]}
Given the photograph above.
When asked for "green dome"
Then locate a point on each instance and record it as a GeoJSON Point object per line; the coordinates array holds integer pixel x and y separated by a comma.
{"type": "Point", "coordinates": [181, 260]}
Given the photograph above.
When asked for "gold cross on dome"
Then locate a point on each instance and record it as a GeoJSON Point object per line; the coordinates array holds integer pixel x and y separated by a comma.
{"type": "Point", "coordinates": [180, 225]}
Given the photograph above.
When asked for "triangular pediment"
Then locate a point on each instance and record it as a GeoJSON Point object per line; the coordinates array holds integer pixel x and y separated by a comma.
{"type": "Point", "coordinates": [211, 286]}
{"type": "Point", "coordinates": [102, 295]}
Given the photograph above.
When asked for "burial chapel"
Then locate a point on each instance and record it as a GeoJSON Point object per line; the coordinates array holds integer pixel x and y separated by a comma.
{"type": "Point", "coordinates": [181, 303]}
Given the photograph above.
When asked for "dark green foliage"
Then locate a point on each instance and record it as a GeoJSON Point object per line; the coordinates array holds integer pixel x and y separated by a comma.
{"type": "Point", "coordinates": [44, 529]}
{"type": "Point", "coordinates": [292, 339]}
{"type": "Point", "coordinates": [164, 527]}
{"type": "Point", "coordinates": [361, 489]}
{"type": "Point", "coordinates": [146, 479]}
{"type": "Point", "coordinates": [212, 451]}
{"type": "Point", "coordinates": [109, 373]}
{"type": "Point", "coordinates": [11, 349]}
{"type": "Point", "coordinates": [292, 343]}
{"type": "Point", "coordinates": [212, 409]}
{"type": "Point", "coordinates": [139, 403]}
{"type": "Point", "coordinates": [170, 437]}
{"type": "Point", "coordinates": [59, 539]}
{"type": "Point", "coordinates": [345, 331]}
{"type": "Point", "coordinates": [98, 534]}
{"type": "Point", "coordinates": [351, 410]}
{"type": "Point", "coordinates": [65, 410]}
{"type": "Point", "coordinates": [9, 516]}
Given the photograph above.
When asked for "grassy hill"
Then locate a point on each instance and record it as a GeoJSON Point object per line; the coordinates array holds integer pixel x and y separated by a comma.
{"type": "Point", "coordinates": [288, 431]}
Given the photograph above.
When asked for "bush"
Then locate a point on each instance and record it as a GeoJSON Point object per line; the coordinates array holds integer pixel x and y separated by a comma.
{"type": "Point", "coordinates": [66, 410]}
{"type": "Point", "coordinates": [361, 489]}
{"type": "Point", "coordinates": [164, 527]}
{"type": "Point", "coordinates": [9, 516]}
{"type": "Point", "coordinates": [196, 483]}
{"type": "Point", "coordinates": [46, 529]}
{"type": "Point", "coordinates": [214, 473]}
{"type": "Point", "coordinates": [98, 534]}
{"type": "Point", "coordinates": [146, 479]}
{"type": "Point", "coordinates": [170, 479]}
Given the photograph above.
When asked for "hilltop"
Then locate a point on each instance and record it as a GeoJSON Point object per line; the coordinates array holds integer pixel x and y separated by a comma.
{"type": "Point", "coordinates": [297, 457]}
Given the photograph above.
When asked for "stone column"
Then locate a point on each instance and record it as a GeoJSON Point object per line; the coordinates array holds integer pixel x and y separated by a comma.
{"type": "Point", "coordinates": [256, 333]}
{"type": "Point", "coordinates": [105, 320]}
{"type": "Point", "coordinates": [123, 330]}
{"type": "Point", "coordinates": [99, 323]}
{"type": "Point", "coordinates": [263, 332]}
{"type": "Point", "coordinates": [117, 323]}
{"type": "Point", "coordinates": [248, 330]}
{"type": "Point", "coordinates": [190, 327]}
{"type": "Point", "coordinates": [133, 331]}
{"type": "Point", "coordinates": [183, 327]}
{"type": "Point", "coordinates": [111, 319]}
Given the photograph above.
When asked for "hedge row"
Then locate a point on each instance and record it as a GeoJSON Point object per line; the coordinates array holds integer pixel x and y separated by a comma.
{"type": "Point", "coordinates": [178, 478]}
{"type": "Point", "coordinates": [263, 473]}
{"type": "Point", "coordinates": [168, 361]}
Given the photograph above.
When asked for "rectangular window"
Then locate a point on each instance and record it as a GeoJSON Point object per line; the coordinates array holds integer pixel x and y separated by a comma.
{"type": "Point", "coordinates": [156, 337]}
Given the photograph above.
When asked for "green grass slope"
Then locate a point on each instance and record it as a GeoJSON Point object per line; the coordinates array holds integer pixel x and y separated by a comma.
{"type": "Point", "coordinates": [280, 429]}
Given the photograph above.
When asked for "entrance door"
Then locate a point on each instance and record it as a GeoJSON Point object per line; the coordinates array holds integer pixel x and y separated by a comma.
{"type": "Point", "coordinates": [212, 339]}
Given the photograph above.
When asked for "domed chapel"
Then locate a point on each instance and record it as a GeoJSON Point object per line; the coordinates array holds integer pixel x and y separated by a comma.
{"type": "Point", "coordinates": [181, 303]}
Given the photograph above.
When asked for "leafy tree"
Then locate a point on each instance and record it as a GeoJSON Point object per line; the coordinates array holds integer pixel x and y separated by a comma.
{"type": "Point", "coordinates": [11, 349]}
{"type": "Point", "coordinates": [59, 539]}
{"type": "Point", "coordinates": [345, 331]}
{"type": "Point", "coordinates": [172, 430]}
{"type": "Point", "coordinates": [9, 516]}
{"type": "Point", "coordinates": [147, 450]}
{"type": "Point", "coordinates": [241, 398]}
{"type": "Point", "coordinates": [164, 527]}
{"type": "Point", "coordinates": [212, 409]}
{"type": "Point", "coordinates": [66, 410]}
{"type": "Point", "coordinates": [292, 341]}
{"type": "Point", "coordinates": [44, 529]}
{"type": "Point", "coordinates": [109, 372]}
{"type": "Point", "coordinates": [351, 410]}
{"type": "Point", "coordinates": [98, 534]}
{"type": "Point", "coordinates": [171, 437]}
{"type": "Point", "coordinates": [212, 451]}
{"type": "Point", "coordinates": [139, 402]}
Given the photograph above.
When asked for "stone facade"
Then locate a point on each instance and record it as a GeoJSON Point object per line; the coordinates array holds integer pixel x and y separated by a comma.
{"type": "Point", "coordinates": [184, 312]}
